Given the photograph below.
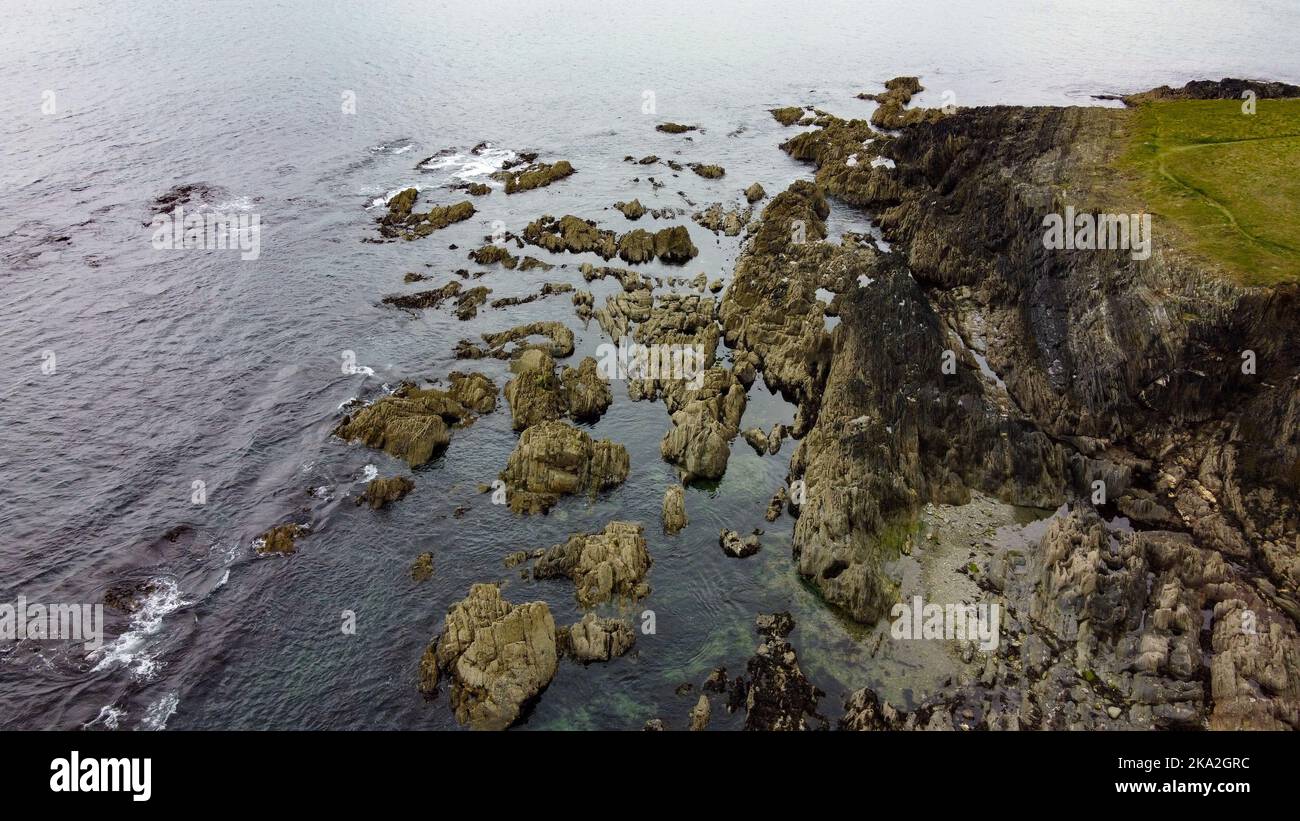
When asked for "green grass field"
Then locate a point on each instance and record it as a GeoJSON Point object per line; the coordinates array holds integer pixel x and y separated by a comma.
{"type": "Point", "coordinates": [1223, 183]}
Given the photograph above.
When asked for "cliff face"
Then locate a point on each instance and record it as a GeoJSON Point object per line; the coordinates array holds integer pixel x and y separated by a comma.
{"type": "Point", "coordinates": [1100, 366]}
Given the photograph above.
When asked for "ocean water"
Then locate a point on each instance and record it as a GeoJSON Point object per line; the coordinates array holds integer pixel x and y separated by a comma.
{"type": "Point", "coordinates": [179, 366]}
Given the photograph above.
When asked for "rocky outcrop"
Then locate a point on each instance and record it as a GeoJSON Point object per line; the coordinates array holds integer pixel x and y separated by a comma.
{"type": "Point", "coordinates": [596, 639]}
{"type": "Point", "coordinates": [787, 116]}
{"type": "Point", "coordinates": [721, 221]}
{"type": "Point", "coordinates": [402, 221]}
{"type": "Point", "coordinates": [675, 128]}
{"type": "Point", "coordinates": [499, 345]}
{"type": "Point", "coordinates": [775, 693]}
{"type": "Point", "coordinates": [754, 193]}
{"type": "Point", "coordinates": [412, 424]}
{"type": "Point", "coordinates": [674, 510]}
{"type": "Point", "coordinates": [633, 210]}
{"type": "Point", "coordinates": [537, 394]}
{"type": "Point", "coordinates": [380, 493]}
{"type": "Point", "coordinates": [700, 714]}
{"type": "Point", "coordinates": [553, 459]}
{"type": "Point", "coordinates": [499, 658]}
{"type": "Point", "coordinates": [705, 420]}
{"type": "Point", "coordinates": [611, 564]}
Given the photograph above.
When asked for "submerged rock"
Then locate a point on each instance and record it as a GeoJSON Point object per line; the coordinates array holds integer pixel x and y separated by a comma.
{"type": "Point", "coordinates": [380, 493]}
{"type": "Point", "coordinates": [554, 459]}
{"type": "Point", "coordinates": [738, 548]}
{"type": "Point", "coordinates": [422, 568]}
{"type": "Point", "coordinates": [675, 128]}
{"type": "Point", "coordinates": [776, 694]}
{"type": "Point", "coordinates": [611, 564]}
{"type": "Point", "coordinates": [279, 539]}
{"type": "Point", "coordinates": [498, 656]}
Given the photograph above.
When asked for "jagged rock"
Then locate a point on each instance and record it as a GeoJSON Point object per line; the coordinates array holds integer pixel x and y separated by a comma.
{"type": "Point", "coordinates": [499, 657]}
{"type": "Point", "coordinates": [611, 564]}
{"type": "Point", "coordinates": [380, 493]}
{"type": "Point", "coordinates": [754, 193]}
{"type": "Point", "coordinates": [654, 725]}
{"type": "Point", "coordinates": [468, 302]}
{"type": "Point", "coordinates": [554, 459]}
{"type": "Point", "coordinates": [401, 221]}
{"type": "Point", "coordinates": [757, 440]}
{"type": "Point", "coordinates": [411, 424]}
{"type": "Point", "coordinates": [586, 393]}
{"type": "Point", "coordinates": [570, 233]}
{"type": "Point", "coordinates": [537, 394]}
{"type": "Point", "coordinates": [776, 695]}
{"type": "Point", "coordinates": [720, 221]}
{"type": "Point", "coordinates": [422, 569]}
{"type": "Point", "coordinates": [674, 510]}
{"type": "Point", "coordinates": [561, 342]}
{"type": "Point", "coordinates": [717, 681]}
{"type": "Point", "coordinates": [596, 639]}
{"type": "Point", "coordinates": [736, 547]}
{"type": "Point", "coordinates": [474, 391]}
{"type": "Point", "coordinates": [700, 714]}
{"type": "Point", "coordinates": [279, 539]}
{"type": "Point", "coordinates": [774, 507]}
{"type": "Point", "coordinates": [704, 422]}
{"type": "Point", "coordinates": [636, 246]}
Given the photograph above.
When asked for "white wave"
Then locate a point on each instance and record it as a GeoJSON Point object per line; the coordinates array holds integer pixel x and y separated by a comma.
{"type": "Point", "coordinates": [882, 162]}
{"type": "Point", "coordinates": [388, 195]}
{"type": "Point", "coordinates": [155, 718]}
{"type": "Point", "coordinates": [225, 577]}
{"type": "Point", "coordinates": [110, 717]}
{"type": "Point", "coordinates": [368, 473]}
{"type": "Point", "coordinates": [468, 165]}
{"type": "Point", "coordinates": [133, 649]}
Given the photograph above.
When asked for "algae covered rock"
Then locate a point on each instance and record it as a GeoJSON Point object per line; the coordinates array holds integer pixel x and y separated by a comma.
{"type": "Point", "coordinates": [572, 234]}
{"type": "Point", "coordinates": [735, 546]}
{"type": "Point", "coordinates": [708, 172]}
{"type": "Point", "coordinates": [500, 658]}
{"type": "Point", "coordinates": [553, 459]}
{"type": "Point", "coordinates": [537, 175]}
{"type": "Point", "coordinates": [787, 116]}
{"type": "Point", "coordinates": [610, 564]}
{"type": "Point", "coordinates": [474, 391]}
{"type": "Point", "coordinates": [675, 128]}
{"type": "Point", "coordinates": [754, 193]}
{"type": "Point", "coordinates": [402, 221]}
{"type": "Point", "coordinates": [633, 210]}
{"type": "Point", "coordinates": [279, 539]}
{"type": "Point", "coordinates": [422, 568]}
{"type": "Point", "coordinates": [673, 245]}
{"type": "Point", "coordinates": [380, 493]}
